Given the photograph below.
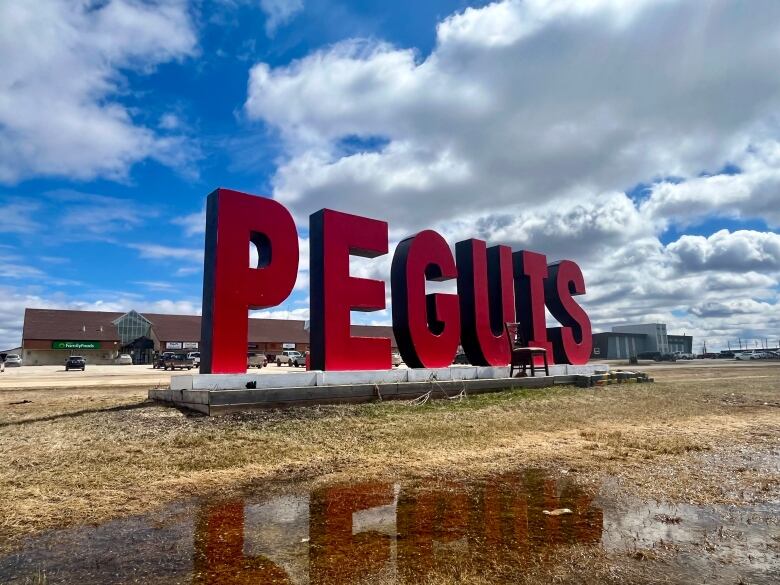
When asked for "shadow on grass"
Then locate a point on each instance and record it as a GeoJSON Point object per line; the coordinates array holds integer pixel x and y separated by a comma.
{"type": "Point", "coordinates": [77, 413]}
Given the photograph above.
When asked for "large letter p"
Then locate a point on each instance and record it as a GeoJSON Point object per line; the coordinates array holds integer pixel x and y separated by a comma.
{"type": "Point", "coordinates": [230, 286]}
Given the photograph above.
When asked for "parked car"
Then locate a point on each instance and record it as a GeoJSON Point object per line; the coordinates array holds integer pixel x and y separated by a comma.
{"type": "Point", "coordinates": [160, 360]}
{"type": "Point", "coordinates": [75, 362]}
{"type": "Point", "coordinates": [397, 360]}
{"type": "Point", "coordinates": [125, 360]}
{"type": "Point", "coordinates": [13, 360]}
{"type": "Point", "coordinates": [747, 355]}
{"type": "Point", "coordinates": [681, 355]}
{"type": "Point", "coordinates": [726, 355]}
{"type": "Point", "coordinates": [256, 360]}
{"type": "Point", "coordinates": [177, 360]}
{"type": "Point", "coordinates": [195, 357]}
{"type": "Point", "coordinates": [290, 357]}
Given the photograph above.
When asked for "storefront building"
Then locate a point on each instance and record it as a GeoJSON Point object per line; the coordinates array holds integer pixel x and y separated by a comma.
{"type": "Point", "coordinates": [49, 335]}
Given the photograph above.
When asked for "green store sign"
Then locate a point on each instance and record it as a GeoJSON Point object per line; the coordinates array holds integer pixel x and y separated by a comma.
{"type": "Point", "coordinates": [75, 345]}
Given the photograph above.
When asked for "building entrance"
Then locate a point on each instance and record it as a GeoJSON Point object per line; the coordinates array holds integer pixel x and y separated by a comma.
{"type": "Point", "coordinates": [141, 350]}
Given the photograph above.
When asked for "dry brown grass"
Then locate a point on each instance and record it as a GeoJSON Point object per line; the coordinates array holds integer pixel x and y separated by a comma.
{"type": "Point", "coordinates": [87, 456]}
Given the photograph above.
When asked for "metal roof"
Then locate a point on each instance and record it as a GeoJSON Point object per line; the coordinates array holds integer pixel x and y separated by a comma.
{"type": "Point", "coordinates": [98, 326]}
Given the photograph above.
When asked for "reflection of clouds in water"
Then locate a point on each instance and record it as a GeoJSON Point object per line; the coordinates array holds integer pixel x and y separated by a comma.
{"type": "Point", "coordinates": [379, 519]}
{"type": "Point", "coordinates": [733, 535]}
{"type": "Point", "coordinates": [279, 530]}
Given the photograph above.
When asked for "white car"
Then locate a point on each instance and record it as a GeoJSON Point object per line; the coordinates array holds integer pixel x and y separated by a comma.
{"type": "Point", "coordinates": [13, 360]}
{"type": "Point", "coordinates": [125, 360]}
{"type": "Point", "coordinates": [397, 359]}
{"type": "Point", "coordinates": [747, 355]}
{"type": "Point", "coordinates": [195, 357]}
{"type": "Point", "coordinates": [290, 357]}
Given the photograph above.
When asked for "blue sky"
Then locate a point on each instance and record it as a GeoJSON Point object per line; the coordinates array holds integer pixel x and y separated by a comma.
{"type": "Point", "coordinates": [635, 140]}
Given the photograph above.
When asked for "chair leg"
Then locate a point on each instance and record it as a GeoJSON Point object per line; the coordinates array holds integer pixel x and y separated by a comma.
{"type": "Point", "coordinates": [533, 368]}
{"type": "Point", "coordinates": [546, 368]}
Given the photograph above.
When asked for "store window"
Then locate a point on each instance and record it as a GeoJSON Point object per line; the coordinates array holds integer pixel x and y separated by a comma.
{"type": "Point", "coordinates": [131, 326]}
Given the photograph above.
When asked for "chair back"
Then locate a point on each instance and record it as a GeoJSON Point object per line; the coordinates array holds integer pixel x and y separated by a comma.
{"type": "Point", "coordinates": [514, 333]}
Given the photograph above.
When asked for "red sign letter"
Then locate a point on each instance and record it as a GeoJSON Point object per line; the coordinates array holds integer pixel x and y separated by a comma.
{"type": "Point", "coordinates": [334, 293]}
{"type": "Point", "coordinates": [530, 273]}
{"type": "Point", "coordinates": [573, 342]}
{"type": "Point", "coordinates": [426, 327]}
{"type": "Point", "coordinates": [230, 286]}
{"type": "Point", "coordinates": [485, 289]}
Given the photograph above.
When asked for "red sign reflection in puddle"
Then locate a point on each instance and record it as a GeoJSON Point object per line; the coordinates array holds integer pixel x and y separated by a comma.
{"type": "Point", "coordinates": [342, 533]}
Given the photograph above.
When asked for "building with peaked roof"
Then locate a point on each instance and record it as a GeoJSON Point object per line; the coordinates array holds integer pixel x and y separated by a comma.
{"type": "Point", "coordinates": [49, 336]}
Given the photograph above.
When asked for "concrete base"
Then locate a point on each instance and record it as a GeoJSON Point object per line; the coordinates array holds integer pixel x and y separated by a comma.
{"type": "Point", "coordinates": [319, 378]}
{"type": "Point", "coordinates": [214, 394]}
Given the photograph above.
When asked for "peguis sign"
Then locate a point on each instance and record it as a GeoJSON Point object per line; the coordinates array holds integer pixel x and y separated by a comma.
{"type": "Point", "coordinates": [494, 286]}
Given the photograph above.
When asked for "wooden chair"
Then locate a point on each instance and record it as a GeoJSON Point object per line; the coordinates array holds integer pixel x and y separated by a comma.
{"type": "Point", "coordinates": [522, 355]}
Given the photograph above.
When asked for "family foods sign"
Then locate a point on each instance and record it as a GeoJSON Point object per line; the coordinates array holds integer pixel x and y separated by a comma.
{"type": "Point", "coordinates": [75, 345]}
{"type": "Point", "coordinates": [494, 285]}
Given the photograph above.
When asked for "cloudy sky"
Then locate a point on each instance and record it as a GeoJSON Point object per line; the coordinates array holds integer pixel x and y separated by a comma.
{"type": "Point", "coordinates": [640, 139]}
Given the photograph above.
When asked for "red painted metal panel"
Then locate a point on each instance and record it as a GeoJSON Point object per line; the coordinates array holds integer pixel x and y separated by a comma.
{"type": "Point", "coordinates": [230, 287]}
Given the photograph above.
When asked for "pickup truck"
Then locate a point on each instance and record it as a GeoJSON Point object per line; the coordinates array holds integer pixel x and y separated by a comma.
{"type": "Point", "coordinates": [177, 360]}
{"type": "Point", "coordinates": [160, 359]}
{"type": "Point", "coordinates": [256, 360]}
{"type": "Point", "coordinates": [290, 357]}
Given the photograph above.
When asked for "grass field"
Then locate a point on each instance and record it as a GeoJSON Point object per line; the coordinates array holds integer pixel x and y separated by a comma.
{"type": "Point", "coordinates": [698, 435]}
{"type": "Point", "coordinates": [72, 456]}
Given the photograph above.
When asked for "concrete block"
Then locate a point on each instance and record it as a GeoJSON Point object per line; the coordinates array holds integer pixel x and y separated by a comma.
{"type": "Point", "coordinates": [362, 377]}
{"type": "Point", "coordinates": [203, 408]}
{"type": "Point", "coordinates": [183, 382]}
{"type": "Point", "coordinates": [566, 379]}
{"type": "Point", "coordinates": [555, 370]}
{"type": "Point", "coordinates": [239, 381]}
{"type": "Point", "coordinates": [198, 396]}
{"type": "Point", "coordinates": [429, 374]}
{"type": "Point", "coordinates": [491, 372]}
{"type": "Point", "coordinates": [463, 372]}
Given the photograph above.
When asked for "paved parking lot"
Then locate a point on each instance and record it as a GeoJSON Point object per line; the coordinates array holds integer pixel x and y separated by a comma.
{"type": "Point", "coordinates": [95, 376]}
{"type": "Point", "coordinates": [31, 377]}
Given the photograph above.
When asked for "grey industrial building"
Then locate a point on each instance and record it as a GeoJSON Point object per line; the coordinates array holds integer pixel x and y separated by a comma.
{"type": "Point", "coordinates": [625, 341]}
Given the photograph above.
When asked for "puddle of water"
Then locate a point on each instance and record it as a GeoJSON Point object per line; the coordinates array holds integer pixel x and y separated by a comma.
{"type": "Point", "coordinates": [342, 533]}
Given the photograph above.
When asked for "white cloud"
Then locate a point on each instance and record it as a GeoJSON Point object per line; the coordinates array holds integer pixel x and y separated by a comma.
{"type": "Point", "coordinates": [729, 251]}
{"type": "Point", "coordinates": [171, 253]}
{"type": "Point", "coordinates": [62, 75]}
{"type": "Point", "coordinates": [527, 124]}
{"type": "Point", "coordinates": [281, 313]}
{"type": "Point", "coordinates": [579, 103]}
{"type": "Point", "coordinates": [87, 215]}
{"type": "Point", "coordinates": [753, 192]}
{"type": "Point", "coordinates": [279, 12]}
{"type": "Point", "coordinates": [18, 217]}
{"type": "Point", "coordinates": [194, 224]}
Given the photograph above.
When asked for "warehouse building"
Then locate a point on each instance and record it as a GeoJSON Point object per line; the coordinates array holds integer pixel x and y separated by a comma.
{"type": "Point", "coordinates": [625, 341]}
{"type": "Point", "coordinates": [49, 336]}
